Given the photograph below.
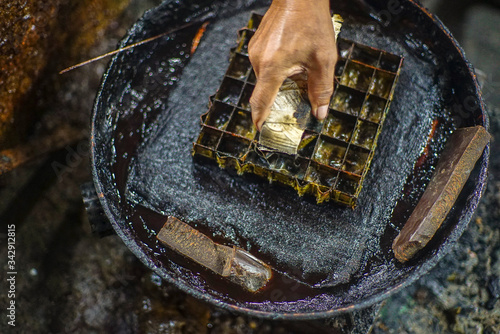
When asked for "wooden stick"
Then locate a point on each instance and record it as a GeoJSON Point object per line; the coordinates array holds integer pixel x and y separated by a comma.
{"type": "Point", "coordinates": [128, 47]}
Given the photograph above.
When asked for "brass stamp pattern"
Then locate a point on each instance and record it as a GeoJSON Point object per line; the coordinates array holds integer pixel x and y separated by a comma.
{"type": "Point", "coordinates": [327, 159]}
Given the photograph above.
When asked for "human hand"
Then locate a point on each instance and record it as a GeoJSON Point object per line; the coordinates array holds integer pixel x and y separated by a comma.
{"type": "Point", "coordinates": [295, 38]}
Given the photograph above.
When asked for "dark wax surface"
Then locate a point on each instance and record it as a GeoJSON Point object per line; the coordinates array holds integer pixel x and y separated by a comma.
{"type": "Point", "coordinates": [326, 241]}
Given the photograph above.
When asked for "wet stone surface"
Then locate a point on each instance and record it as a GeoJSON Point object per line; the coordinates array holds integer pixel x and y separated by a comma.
{"type": "Point", "coordinates": [38, 39]}
{"type": "Point", "coordinates": [72, 282]}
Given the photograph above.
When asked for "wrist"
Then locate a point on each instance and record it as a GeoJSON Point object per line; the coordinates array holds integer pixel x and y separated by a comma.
{"type": "Point", "coordinates": [302, 4]}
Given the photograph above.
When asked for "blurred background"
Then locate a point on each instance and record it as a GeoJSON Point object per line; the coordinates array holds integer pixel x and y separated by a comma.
{"type": "Point", "coordinates": [70, 281]}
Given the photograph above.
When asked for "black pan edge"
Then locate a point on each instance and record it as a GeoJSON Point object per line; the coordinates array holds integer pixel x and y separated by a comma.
{"type": "Point", "coordinates": [113, 214]}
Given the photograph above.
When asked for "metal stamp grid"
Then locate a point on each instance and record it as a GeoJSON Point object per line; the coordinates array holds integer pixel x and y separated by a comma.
{"type": "Point", "coordinates": [334, 155]}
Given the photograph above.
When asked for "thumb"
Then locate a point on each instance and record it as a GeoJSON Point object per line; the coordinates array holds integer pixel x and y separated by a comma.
{"type": "Point", "coordinates": [320, 89]}
{"type": "Point", "coordinates": [263, 97]}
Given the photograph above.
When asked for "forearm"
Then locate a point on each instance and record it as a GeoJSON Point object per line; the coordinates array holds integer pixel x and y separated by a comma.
{"type": "Point", "coordinates": [294, 37]}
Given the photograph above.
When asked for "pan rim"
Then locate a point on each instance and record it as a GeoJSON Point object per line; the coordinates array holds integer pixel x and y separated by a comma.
{"type": "Point", "coordinates": [125, 234]}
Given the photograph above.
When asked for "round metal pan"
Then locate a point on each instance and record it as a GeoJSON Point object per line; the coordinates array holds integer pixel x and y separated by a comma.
{"type": "Point", "coordinates": [327, 259]}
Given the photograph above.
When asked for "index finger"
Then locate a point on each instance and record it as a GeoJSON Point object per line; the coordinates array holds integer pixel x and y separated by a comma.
{"type": "Point", "coordinates": [263, 97]}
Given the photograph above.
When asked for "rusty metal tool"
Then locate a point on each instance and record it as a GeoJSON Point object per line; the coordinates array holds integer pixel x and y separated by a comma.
{"type": "Point", "coordinates": [234, 263]}
{"type": "Point", "coordinates": [462, 150]}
